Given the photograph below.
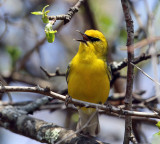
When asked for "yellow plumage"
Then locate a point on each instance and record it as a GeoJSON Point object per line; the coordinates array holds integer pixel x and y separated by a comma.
{"type": "Point", "coordinates": [88, 77]}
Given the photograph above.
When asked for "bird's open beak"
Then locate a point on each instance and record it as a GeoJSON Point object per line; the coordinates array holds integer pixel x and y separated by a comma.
{"type": "Point", "coordinates": [84, 36]}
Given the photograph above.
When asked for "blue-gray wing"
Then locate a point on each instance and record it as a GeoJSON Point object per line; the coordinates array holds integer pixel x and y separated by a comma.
{"type": "Point", "coordinates": [109, 73]}
{"type": "Point", "coordinates": [67, 72]}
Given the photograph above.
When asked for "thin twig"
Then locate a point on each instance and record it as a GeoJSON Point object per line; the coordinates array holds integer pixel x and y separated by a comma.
{"type": "Point", "coordinates": [3, 83]}
{"type": "Point", "coordinates": [118, 66]}
{"type": "Point", "coordinates": [57, 73]}
{"type": "Point", "coordinates": [146, 74]}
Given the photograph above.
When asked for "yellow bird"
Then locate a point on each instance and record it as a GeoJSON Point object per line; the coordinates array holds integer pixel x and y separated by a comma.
{"type": "Point", "coordinates": [88, 77]}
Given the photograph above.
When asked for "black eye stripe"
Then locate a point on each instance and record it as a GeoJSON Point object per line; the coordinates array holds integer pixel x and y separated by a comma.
{"type": "Point", "coordinates": [93, 39]}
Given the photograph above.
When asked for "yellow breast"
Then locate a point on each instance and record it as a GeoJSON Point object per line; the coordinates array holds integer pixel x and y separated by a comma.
{"type": "Point", "coordinates": [88, 81]}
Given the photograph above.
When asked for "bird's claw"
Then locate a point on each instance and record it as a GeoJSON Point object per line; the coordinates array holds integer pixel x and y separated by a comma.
{"type": "Point", "coordinates": [68, 100]}
{"type": "Point", "coordinates": [109, 106]}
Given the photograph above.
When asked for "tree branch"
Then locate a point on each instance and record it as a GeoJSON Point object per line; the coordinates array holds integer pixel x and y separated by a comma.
{"type": "Point", "coordinates": [31, 107]}
{"type": "Point", "coordinates": [118, 66]}
{"type": "Point", "coordinates": [67, 17]}
{"type": "Point", "coordinates": [47, 92]}
{"type": "Point", "coordinates": [130, 74]}
{"type": "Point", "coordinates": [17, 121]}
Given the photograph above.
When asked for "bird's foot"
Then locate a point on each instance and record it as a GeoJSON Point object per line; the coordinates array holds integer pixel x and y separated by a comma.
{"type": "Point", "coordinates": [68, 100]}
{"type": "Point", "coordinates": [109, 106]}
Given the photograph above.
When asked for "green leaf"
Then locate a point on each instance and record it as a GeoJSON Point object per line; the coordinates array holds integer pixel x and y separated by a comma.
{"type": "Point", "coordinates": [43, 13]}
{"type": "Point", "coordinates": [50, 33]}
{"type": "Point", "coordinates": [46, 12]}
{"type": "Point", "coordinates": [45, 18]}
{"type": "Point", "coordinates": [37, 13]}
{"type": "Point", "coordinates": [158, 124]}
{"type": "Point", "coordinates": [50, 36]}
{"type": "Point", "coordinates": [48, 27]}
{"type": "Point", "coordinates": [45, 8]}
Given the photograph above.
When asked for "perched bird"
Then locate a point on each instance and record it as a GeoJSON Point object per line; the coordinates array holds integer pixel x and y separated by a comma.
{"type": "Point", "coordinates": [88, 77]}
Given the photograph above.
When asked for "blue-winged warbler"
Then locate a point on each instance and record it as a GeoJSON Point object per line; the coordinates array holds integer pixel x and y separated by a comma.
{"type": "Point", "coordinates": [88, 77]}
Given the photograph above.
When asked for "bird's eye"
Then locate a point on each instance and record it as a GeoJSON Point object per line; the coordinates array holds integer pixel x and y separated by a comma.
{"type": "Point", "coordinates": [93, 39]}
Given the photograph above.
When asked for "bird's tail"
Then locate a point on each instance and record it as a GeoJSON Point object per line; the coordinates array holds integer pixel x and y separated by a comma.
{"type": "Point", "coordinates": [88, 122]}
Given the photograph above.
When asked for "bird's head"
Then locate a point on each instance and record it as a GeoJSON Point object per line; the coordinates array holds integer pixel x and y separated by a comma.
{"type": "Point", "coordinates": [93, 42]}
